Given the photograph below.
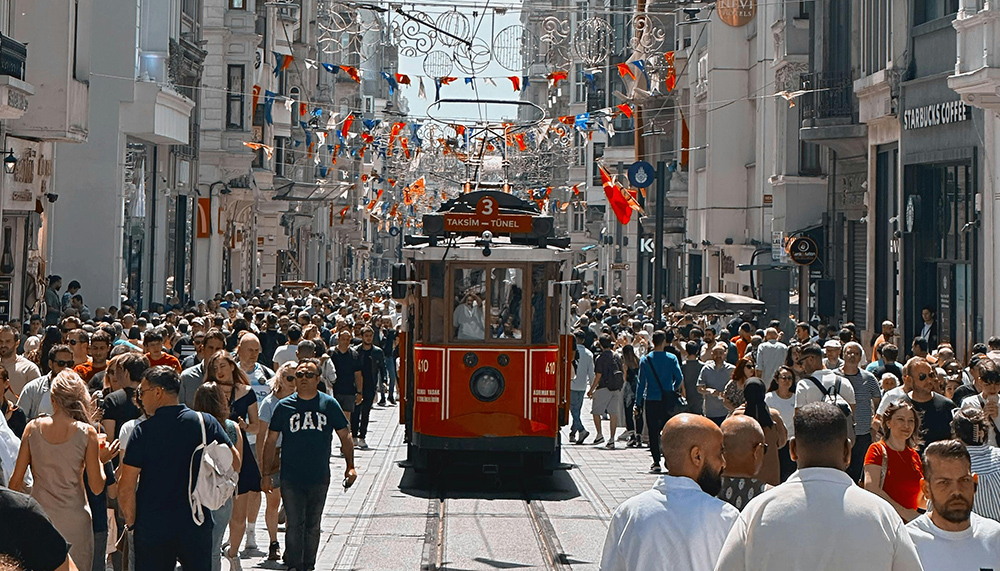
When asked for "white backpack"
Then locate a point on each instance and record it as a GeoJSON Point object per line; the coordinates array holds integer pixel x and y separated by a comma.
{"type": "Point", "coordinates": [216, 479]}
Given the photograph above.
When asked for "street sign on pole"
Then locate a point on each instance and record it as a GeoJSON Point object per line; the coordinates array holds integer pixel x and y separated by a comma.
{"type": "Point", "coordinates": [641, 174]}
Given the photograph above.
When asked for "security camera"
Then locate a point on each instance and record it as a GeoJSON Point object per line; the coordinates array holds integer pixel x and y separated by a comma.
{"type": "Point", "coordinates": [51, 196]}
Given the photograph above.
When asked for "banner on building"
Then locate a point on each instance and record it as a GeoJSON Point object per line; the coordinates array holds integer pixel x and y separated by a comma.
{"type": "Point", "coordinates": [204, 217]}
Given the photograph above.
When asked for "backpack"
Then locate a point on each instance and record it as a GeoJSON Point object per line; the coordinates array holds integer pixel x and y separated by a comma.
{"type": "Point", "coordinates": [617, 380]}
{"type": "Point", "coordinates": [216, 477]}
{"type": "Point", "coordinates": [833, 397]}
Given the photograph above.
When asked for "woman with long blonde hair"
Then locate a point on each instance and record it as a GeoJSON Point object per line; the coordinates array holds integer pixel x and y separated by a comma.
{"type": "Point", "coordinates": [61, 449]}
{"type": "Point", "coordinates": [893, 468]}
{"type": "Point", "coordinates": [282, 385]}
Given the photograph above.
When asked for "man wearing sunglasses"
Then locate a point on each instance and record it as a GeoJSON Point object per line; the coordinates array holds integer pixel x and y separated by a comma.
{"type": "Point", "coordinates": [934, 409]}
{"type": "Point", "coordinates": [306, 422]}
{"type": "Point", "coordinates": [35, 398]}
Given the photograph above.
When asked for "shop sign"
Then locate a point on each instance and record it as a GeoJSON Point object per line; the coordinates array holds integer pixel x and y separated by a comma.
{"type": "Point", "coordinates": [619, 266]}
{"type": "Point", "coordinates": [937, 114]}
{"type": "Point", "coordinates": [803, 250]}
{"type": "Point", "coordinates": [736, 13]}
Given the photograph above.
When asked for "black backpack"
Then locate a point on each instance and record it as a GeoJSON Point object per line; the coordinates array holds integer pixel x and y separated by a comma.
{"type": "Point", "coordinates": [617, 380]}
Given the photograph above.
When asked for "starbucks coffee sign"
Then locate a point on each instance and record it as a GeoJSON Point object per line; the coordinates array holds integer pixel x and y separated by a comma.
{"type": "Point", "coordinates": [936, 114]}
{"type": "Point", "coordinates": [736, 13]}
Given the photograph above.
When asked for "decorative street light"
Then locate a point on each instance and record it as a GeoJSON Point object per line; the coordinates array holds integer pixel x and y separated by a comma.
{"type": "Point", "coordinates": [10, 162]}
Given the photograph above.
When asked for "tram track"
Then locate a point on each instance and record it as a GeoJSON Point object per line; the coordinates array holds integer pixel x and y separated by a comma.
{"type": "Point", "coordinates": [435, 550]}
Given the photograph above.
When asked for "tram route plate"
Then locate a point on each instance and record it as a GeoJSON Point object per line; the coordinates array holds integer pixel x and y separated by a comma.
{"type": "Point", "coordinates": [515, 224]}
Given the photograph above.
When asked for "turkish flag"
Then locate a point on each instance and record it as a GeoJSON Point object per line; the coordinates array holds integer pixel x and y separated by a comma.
{"type": "Point", "coordinates": [618, 202]}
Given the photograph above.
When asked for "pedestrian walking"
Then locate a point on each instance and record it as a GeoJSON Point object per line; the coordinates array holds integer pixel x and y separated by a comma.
{"type": "Point", "coordinates": [582, 377]}
{"type": "Point", "coordinates": [867, 396]}
{"type": "Point", "coordinates": [658, 394]}
{"type": "Point", "coordinates": [953, 536]}
{"type": "Point", "coordinates": [781, 397]}
{"type": "Point", "coordinates": [28, 538]}
{"type": "Point", "coordinates": [36, 397]}
{"type": "Point", "coordinates": [712, 381]}
{"type": "Point", "coordinates": [630, 364]}
{"type": "Point", "coordinates": [680, 523]}
{"type": "Point", "coordinates": [824, 521]}
{"type": "Point", "coordinates": [60, 450]}
{"type": "Point", "coordinates": [772, 426]}
{"type": "Point", "coordinates": [283, 385]}
{"type": "Point", "coordinates": [606, 389]}
{"type": "Point", "coordinates": [744, 450]}
{"type": "Point", "coordinates": [306, 422]}
{"type": "Point", "coordinates": [892, 466]}
{"type": "Point", "coordinates": [373, 372]}
{"type": "Point", "coordinates": [161, 449]}
{"type": "Point", "coordinates": [971, 426]}
{"type": "Point", "coordinates": [934, 409]}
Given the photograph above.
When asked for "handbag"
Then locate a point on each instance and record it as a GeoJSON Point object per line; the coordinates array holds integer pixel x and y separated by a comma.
{"type": "Point", "coordinates": [679, 401]}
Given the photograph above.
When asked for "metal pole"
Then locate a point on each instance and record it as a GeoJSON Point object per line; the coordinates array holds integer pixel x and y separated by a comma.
{"type": "Point", "coordinates": [662, 181]}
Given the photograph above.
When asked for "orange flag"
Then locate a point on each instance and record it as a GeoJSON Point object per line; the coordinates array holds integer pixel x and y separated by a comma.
{"type": "Point", "coordinates": [626, 109]}
{"type": "Point", "coordinates": [347, 126]}
{"type": "Point", "coordinates": [447, 80]}
{"type": "Point", "coordinates": [351, 71]}
{"type": "Point", "coordinates": [516, 82]}
{"type": "Point", "coordinates": [343, 214]}
{"type": "Point", "coordinates": [556, 76]}
{"type": "Point", "coordinates": [402, 79]}
{"type": "Point", "coordinates": [567, 120]}
{"type": "Point", "coordinates": [624, 69]}
{"type": "Point", "coordinates": [619, 204]}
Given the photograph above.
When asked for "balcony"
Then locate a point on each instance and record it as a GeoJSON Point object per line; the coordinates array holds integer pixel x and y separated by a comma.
{"type": "Point", "coordinates": [157, 114]}
{"type": "Point", "coordinates": [829, 114]}
{"type": "Point", "coordinates": [977, 69]}
{"type": "Point", "coordinates": [14, 91]}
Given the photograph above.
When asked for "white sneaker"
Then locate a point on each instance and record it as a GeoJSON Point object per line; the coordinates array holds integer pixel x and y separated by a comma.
{"type": "Point", "coordinates": [234, 563]}
{"type": "Point", "coordinates": [251, 544]}
{"type": "Point", "coordinates": [362, 445]}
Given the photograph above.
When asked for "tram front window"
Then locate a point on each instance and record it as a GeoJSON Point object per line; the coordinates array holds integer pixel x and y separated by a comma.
{"type": "Point", "coordinates": [470, 317]}
{"type": "Point", "coordinates": [506, 292]}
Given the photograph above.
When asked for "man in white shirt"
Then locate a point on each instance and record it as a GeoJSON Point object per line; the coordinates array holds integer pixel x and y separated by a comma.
{"type": "Point", "coordinates": [819, 519]}
{"type": "Point", "coordinates": [578, 388]}
{"type": "Point", "coordinates": [20, 371]}
{"type": "Point", "coordinates": [952, 536]}
{"type": "Point", "coordinates": [286, 352]}
{"type": "Point", "coordinates": [770, 355]}
{"type": "Point", "coordinates": [470, 319]}
{"type": "Point", "coordinates": [807, 390]}
{"type": "Point", "coordinates": [679, 524]}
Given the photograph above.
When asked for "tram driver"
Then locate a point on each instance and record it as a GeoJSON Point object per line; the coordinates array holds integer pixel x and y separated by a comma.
{"type": "Point", "coordinates": [470, 320]}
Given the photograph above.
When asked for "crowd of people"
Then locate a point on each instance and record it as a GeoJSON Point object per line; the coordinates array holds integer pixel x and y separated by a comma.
{"type": "Point", "coordinates": [846, 455]}
{"type": "Point", "coordinates": [102, 417]}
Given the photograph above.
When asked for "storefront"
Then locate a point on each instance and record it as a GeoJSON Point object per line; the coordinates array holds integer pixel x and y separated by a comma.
{"type": "Point", "coordinates": [939, 214]}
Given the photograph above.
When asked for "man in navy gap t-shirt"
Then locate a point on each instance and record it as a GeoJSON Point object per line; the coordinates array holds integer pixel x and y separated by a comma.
{"type": "Point", "coordinates": [158, 460]}
{"type": "Point", "coordinates": [306, 422]}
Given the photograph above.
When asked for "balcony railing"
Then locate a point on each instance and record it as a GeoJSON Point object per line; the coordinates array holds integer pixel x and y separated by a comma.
{"type": "Point", "coordinates": [13, 56]}
{"type": "Point", "coordinates": [830, 95]}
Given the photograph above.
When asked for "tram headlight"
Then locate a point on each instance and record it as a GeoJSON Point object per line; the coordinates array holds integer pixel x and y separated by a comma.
{"type": "Point", "coordinates": [486, 384]}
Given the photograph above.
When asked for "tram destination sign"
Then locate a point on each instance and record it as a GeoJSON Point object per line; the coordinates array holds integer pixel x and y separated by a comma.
{"type": "Point", "coordinates": [937, 114]}
{"type": "Point", "coordinates": [488, 217]}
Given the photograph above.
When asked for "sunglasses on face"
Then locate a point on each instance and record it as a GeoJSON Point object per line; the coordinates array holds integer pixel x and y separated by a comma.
{"type": "Point", "coordinates": [290, 378]}
{"type": "Point", "coordinates": [787, 377]}
{"type": "Point", "coordinates": [139, 391]}
{"type": "Point", "coordinates": [923, 376]}
{"type": "Point", "coordinates": [300, 374]}
{"type": "Point", "coordinates": [76, 342]}
{"type": "Point", "coordinates": [63, 363]}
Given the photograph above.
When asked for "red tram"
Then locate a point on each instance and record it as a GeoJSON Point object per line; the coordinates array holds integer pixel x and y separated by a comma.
{"type": "Point", "coordinates": [485, 356]}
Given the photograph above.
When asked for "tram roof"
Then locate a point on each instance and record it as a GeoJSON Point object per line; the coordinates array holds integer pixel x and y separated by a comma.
{"type": "Point", "coordinates": [469, 248]}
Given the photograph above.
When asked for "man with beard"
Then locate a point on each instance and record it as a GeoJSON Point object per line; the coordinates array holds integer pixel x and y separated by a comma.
{"type": "Point", "coordinates": [679, 524]}
{"type": "Point", "coordinates": [951, 536]}
{"type": "Point", "coordinates": [821, 519]}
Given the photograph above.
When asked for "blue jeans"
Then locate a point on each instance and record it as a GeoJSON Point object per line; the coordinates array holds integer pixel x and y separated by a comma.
{"type": "Point", "coordinates": [575, 406]}
{"type": "Point", "coordinates": [221, 517]}
{"type": "Point", "coordinates": [303, 512]}
{"type": "Point", "coordinates": [390, 366]}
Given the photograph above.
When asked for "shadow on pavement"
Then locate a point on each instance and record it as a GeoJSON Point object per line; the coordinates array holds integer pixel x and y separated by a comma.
{"type": "Point", "coordinates": [456, 483]}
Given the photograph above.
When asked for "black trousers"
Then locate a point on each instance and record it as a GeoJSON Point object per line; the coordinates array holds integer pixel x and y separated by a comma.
{"type": "Point", "coordinates": [657, 414]}
{"type": "Point", "coordinates": [359, 420]}
{"type": "Point", "coordinates": [857, 468]}
{"type": "Point", "coordinates": [161, 549]}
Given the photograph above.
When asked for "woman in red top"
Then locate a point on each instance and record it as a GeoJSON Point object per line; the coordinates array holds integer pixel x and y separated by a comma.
{"type": "Point", "coordinates": [892, 465]}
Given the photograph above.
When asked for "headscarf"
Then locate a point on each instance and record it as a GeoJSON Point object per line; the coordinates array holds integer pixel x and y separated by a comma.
{"type": "Point", "coordinates": [756, 408]}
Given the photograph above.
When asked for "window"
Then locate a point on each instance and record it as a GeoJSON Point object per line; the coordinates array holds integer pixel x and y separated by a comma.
{"type": "Point", "coordinates": [237, 4]}
{"type": "Point", "coordinates": [809, 159]}
{"type": "Point", "coordinates": [469, 318]}
{"type": "Point", "coordinates": [279, 156]}
{"type": "Point", "coordinates": [234, 98]}
{"type": "Point", "coordinates": [876, 35]}
{"type": "Point", "coordinates": [506, 294]}
{"type": "Point", "coordinates": [580, 84]}
{"type": "Point", "coordinates": [578, 215]}
{"type": "Point", "coordinates": [927, 10]}
{"type": "Point", "coordinates": [581, 11]}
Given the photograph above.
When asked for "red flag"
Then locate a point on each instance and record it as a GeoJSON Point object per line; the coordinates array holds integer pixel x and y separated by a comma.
{"type": "Point", "coordinates": [548, 191]}
{"type": "Point", "coordinates": [396, 128]}
{"type": "Point", "coordinates": [624, 69]}
{"type": "Point", "coordinates": [406, 150]}
{"type": "Point", "coordinates": [516, 82]}
{"type": "Point", "coordinates": [347, 126]}
{"type": "Point", "coordinates": [576, 189]}
{"type": "Point", "coordinates": [567, 119]}
{"type": "Point", "coordinates": [520, 141]}
{"type": "Point", "coordinates": [621, 207]}
{"type": "Point", "coordinates": [624, 108]}
{"type": "Point", "coordinates": [302, 109]}
{"type": "Point", "coordinates": [343, 214]}
{"type": "Point", "coordinates": [447, 80]}
{"type": "Point", "coordinates": [402, 79]}
{"type": "Point", "coordinates": [256, 96]}
{"type": "Point", "coordinates": [351, 71]}
{"type": "Point", "coordinates": [669, 57]}
{"type": "Point", "coordinates": [459, 130]}
{"type": "Point", "coordinates": [556, 76]}
{"type": "Point", "coordinates": [367, 137]}
{"type": "Point", "coordinates": [671, 79]}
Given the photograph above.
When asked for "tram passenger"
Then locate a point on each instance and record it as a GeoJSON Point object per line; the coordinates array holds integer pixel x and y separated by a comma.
{"type": "Point", "coordinates": [469, 317]}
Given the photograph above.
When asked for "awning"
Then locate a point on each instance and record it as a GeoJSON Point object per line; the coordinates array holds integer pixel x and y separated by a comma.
{"type": "Point", "coordinates": [309, 192]}
{"type": "Point", "coordinates": [720, 303]}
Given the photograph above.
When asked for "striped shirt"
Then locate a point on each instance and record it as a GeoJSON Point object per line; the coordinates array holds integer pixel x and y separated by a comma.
{"type": "Point", "coordinates": [986, 464]}
{"type": "Point", "coordinates": [866, 389]}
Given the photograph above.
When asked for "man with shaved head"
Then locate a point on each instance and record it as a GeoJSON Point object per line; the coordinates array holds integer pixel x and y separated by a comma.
{"type": "Point", "coordinates": [743, 440]}
{"type": "Point", "coordinates": [247, 353]}
{"type": "Point", "coordinates": [819, 519]}
{"type": "Point", "coordinates": [679, 524]}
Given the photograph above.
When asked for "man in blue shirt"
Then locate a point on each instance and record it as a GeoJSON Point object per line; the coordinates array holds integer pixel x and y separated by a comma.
{"type": "Point", "coordinates": [306, 422]}
{"type": "Point", "coordinates": [157, 506]}
{"type": "Point", "coordinates": [660, 383]}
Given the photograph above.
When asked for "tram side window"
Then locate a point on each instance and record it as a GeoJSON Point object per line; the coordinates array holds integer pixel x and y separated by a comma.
{"type": "Point", "coordinates": [437, 308]}
{"type": "Point", "coordinates": [539, 297]}
{"type": "Point", "coordinates": [506, 293]}
{"type": "Point", "coordinates": [469, 318]}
